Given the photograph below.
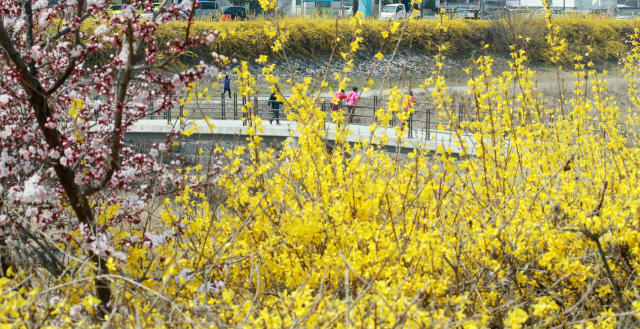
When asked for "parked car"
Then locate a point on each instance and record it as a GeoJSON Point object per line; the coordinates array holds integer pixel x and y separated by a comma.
{"type": "Point", "coordinates": [447, 10]}
{"type": "Point", "coordinates": [626, 15]}
{"type": "Point", "coordinates": [235, 12]}
{"type": "Point", "coordinates": [494, 13]}
{"type": "Point", "coordinates": [347, 11]}
{"type": "Point", "coordinates": [208, 10]}
{"type": "Point", "coordinates": [148, 15]}
{"type": "Point", "coordinates": [520, 10]}
{"type": "Point", "coordinates": [555, 13]}
{"type": "Point", "coordinates": [117, 10]}
{"type": "Point", "coordinates": [395, 11]}
{"type": "Point", "coordinates": [489, 15]}
{"type": "Point", "coordinates": [456, 14]}
{"type": "Point", "coordinates": [467, 12]}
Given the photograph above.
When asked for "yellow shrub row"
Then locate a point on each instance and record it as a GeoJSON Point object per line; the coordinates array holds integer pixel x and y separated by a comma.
{"type": "Point", "coordinates": [314, 38]}
{"type": "Point", "coordinates": [606, 37]}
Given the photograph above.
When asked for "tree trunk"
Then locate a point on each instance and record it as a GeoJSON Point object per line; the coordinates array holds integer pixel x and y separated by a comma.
{"type": "Point", "coordinates": [66, 176]}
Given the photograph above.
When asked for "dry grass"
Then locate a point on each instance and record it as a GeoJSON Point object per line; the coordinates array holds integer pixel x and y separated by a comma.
{"type": "Point", "coordinates": [551, 84]}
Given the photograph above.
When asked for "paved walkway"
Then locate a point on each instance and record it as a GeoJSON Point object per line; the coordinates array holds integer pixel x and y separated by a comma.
{"type": "Point", "coordinates": [234, 130]}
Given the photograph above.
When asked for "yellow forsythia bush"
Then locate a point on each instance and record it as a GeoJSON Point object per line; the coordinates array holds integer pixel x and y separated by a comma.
{"type": "Point", "coordinates": [312, 38]}
{"type": "Point", "coordinates": [315, 37]}
{"type": "Point", "coordinates": [605, 36]}
{"type": "Point", "coordinates": [538, 227]}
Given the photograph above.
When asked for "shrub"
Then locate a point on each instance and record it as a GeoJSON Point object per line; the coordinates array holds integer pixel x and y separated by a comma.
{"type": "Point", "coordinates": [535, 223]}
{"type": "Point", "coordinates": [313, 38]}
{"type": "Point", "coordinates": [511, 29]}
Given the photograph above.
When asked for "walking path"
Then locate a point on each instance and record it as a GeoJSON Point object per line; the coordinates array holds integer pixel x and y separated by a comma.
{"type": "Point", "coordinates": [226, 130]}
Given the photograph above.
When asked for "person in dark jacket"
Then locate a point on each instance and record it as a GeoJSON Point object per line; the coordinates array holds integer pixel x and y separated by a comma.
{"type": "Point", "coordinates": [275, 106]}
{"type": "Point", "coordinates": [227, 85]}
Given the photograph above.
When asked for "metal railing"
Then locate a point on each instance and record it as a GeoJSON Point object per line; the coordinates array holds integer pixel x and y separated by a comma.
{"type": "Point", "coordinates": [424, 117]}
{"type": "Point", "coordinates": [422, 122]}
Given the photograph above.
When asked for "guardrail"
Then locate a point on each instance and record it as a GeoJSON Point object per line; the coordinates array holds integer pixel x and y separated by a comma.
{"type": "Point", "coordinates": [423, 119]}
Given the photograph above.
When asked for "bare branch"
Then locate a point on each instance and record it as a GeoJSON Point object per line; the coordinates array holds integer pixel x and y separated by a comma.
{"type": "Point", "coordinates": [62, 32]}
{"type": "Point", "coordinates": [72, 63]}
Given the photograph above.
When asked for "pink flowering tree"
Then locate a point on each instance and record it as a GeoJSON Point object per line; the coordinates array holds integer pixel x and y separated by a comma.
{"type": "Point", "coordinates": [63, 123]}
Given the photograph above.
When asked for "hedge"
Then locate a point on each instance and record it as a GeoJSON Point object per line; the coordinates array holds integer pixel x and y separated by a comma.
{"type": "Point", "coordinates": [313, 38]}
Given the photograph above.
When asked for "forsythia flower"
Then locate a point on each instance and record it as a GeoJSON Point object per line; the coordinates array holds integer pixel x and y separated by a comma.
{"type": "Point", "coordinates": [516, 318]}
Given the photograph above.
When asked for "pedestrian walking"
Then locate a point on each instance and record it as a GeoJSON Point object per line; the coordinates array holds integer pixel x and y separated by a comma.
{"type": "Point", "coordinates": [227, 85]}
{"type": "Point", "coordinates": [408, 103]}
{"type": "Point", "coordinates": [352, 99]}
{"type": "Point", "coordinates": [340, 95]}
{"type": "Point", "coordinates": [275, 106]}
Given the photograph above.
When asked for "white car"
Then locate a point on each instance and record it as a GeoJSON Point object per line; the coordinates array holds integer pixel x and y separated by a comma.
{"type": "Point", "coordinates": [347, 11]}
{"type": "Point", "coordinates": [395, 11]}
{"type": "Point", "coordinates": [626, 15]}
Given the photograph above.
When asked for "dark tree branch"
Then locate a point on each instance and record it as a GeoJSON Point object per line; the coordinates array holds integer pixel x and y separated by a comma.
{"type": "Point", "coordinates": [72, 63]}
{"type": "Point", "coordinates": [596, 210]}
{"type": "Point", "coordinates": [169, 58]}
{"type": "Point", "coordinates": [124, 77]}
{"type": "Point", "coordinates": [61, 79]}
{"type": "Point", "coordinates": [62, 32]}
{"type": "Point", "coordinates": [595, 237]}
{"type": "Point", "coordinates": [29, 26]}
{"type": "Point", "coordinates": [155, 66]}
{"type": "Point", "coordinates": [57, 268]}
{"type": "Point", "coordinates": [38, 102]}
{"type": "Point", "coordinates": [33, 252]}
{"type": "Point", "coordinates": [66, 176]}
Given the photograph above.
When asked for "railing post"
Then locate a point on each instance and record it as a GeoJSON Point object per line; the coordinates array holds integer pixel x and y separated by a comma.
{"type": "Point", "coordinates": [222, 102]}
{"type": "Point", "coordinates": [235, 106]}
{"type": "Point", "coordinates": [460, 113]}
{"type": "Point", "coordinates": [410, 125]}
{"type": "Point", "coordinates": [95, 112]}
{"type": "Point", "coordinates": [428, 127]}
{"type": "Point", "coordinates": [255, 106]}
{"type": "Point", "coordinates": [392, 120]}
{"type": "Point", "coordinates": [150, 107]}
{"type": "Point", "coordinates": [375, 107]}
{"type": "Point", "coordinates": [244, 114]}
{"type": "Point", "coordinates": [168, 115]}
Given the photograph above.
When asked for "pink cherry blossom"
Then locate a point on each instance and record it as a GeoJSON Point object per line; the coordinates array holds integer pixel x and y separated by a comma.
{"type": "Point", "coordinates": [63, 157]}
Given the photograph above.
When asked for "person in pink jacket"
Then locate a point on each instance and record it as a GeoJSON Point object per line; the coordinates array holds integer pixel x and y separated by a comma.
{"type": "Point", "coordinates": [408, 102]}
{"type": "Point", "coordinates": [352, 99]}
{"type": "Point", "coordinates": [339, 96]}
